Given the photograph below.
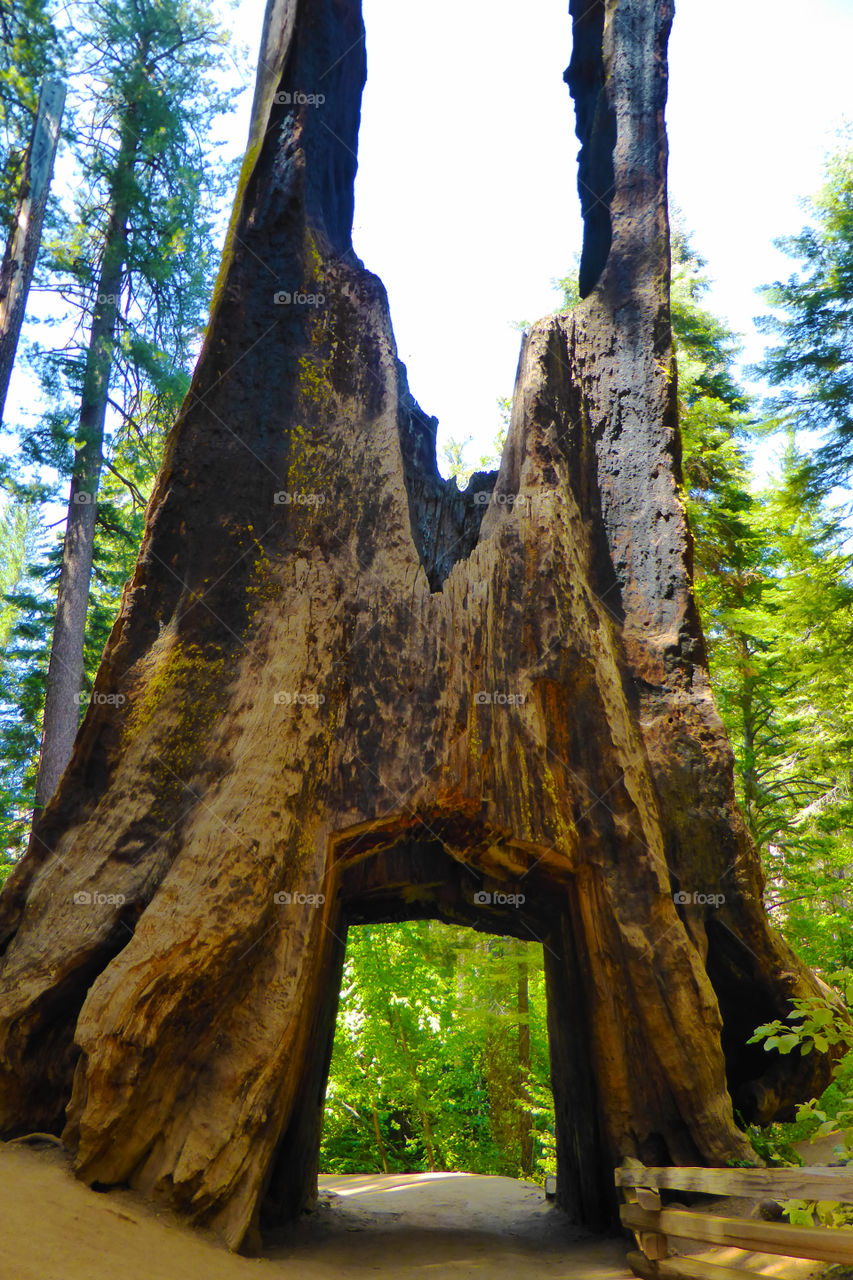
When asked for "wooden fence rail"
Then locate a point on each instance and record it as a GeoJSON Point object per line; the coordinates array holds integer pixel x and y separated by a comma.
{"type": "Point", "coordinates": [655, 1225]}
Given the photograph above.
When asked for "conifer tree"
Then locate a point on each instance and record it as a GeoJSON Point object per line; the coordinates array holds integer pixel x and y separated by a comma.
{"type": "Point", "coordinates": [135, 267]}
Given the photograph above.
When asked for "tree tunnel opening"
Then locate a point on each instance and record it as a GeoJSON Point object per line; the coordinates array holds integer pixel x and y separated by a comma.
{"type": "Point", "coordinates": [435, 937]}
{"type": "Point", "coordinates": [440, 1062]}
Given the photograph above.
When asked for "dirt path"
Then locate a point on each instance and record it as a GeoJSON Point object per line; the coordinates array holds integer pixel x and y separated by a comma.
{"type": "Point", "coordinates": [429, 1226]}
{"type": "Point", "coordinates": [439, 1226]}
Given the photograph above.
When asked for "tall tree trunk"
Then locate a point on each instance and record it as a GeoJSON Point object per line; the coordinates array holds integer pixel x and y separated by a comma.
{"type": "Point", "coordinates": [378, 1132]}
{"type": "Point", "coordinates": [65, 671]}
{"type": "Point", "coordinates": [751, 791]}
{"type": "Point", "coordinates": [421, 1100]}
{"type": "Point", "coordinates": [22, 246]}
{"type": "Point", "coordinates": [525, 1118]}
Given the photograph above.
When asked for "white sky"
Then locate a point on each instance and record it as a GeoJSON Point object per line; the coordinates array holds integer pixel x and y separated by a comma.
{"type": "Point", "coordinates": [466, 199]}
{"type": "Point", "coordinates": [466, 202]}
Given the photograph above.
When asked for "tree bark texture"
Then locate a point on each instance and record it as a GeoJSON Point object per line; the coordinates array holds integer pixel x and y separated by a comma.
{"type": "Point", "coordinates": [351, 693]}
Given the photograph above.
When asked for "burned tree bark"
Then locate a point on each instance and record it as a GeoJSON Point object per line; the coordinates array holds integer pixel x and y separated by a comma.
{"type": "Point", "coordinates": [340, 691]}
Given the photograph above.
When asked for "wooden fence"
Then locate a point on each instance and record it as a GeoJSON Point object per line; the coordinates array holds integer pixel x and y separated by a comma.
{"type": "Point", "coordinates": [655, 1225]}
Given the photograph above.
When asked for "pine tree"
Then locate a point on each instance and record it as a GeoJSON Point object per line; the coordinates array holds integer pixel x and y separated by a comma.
{"type": "Point", "coordinates": [21, 679]}
{"type": "Point", "coordinates": [812, 363]}
{"type": "Point", "coordinates": [773, 584]}
{"type": "Point", "coordinates": [30, 49]}
{"type": "Point", "coordinates": [801, 691]}
{"type": "Point", "coordinates": [134, 266]}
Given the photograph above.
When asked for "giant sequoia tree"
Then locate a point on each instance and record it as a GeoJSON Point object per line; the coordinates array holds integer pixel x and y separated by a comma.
{"type": "Point", "coordinates": [339, 691]}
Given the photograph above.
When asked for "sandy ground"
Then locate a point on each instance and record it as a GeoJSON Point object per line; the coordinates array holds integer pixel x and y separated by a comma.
{"type": "Point", "coordinates": [424, 1226]}
{"type": "Point", "coordinates": [443, 1226]}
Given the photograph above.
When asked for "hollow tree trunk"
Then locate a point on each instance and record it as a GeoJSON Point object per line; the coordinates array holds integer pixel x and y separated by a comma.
{"type": "Point", "coordinates": [24, 241]}
{"type": "Point", "coordinates": [351, 694]}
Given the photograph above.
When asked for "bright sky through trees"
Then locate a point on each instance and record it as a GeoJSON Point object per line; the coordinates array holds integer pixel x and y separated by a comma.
{"type": "Point", "coordinates": [466, 203]}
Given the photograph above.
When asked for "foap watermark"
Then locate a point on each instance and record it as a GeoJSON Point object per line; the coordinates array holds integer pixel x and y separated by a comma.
{"type": "Point", "coordinates": [485, 496]}
{"type": "Point", "coordinates": [496, 698]}
{"type": "Point", "coordinates": [285, 899]}
{"type": "Point", "coordinates": [696, 899]}
{"type": "Point", "coordinates": [85, 898]}
{"type": "Point", "coordinates": [298, 698]}
{"type": "Point", "coordinates": [284, 298]}
{"type": "Point", "coordinates": [99, 699]}
{"type": "Point", "coordinates": [297, 98]}
{"type": "Point", "coordinates": [530, 504]}
{"type": "Point", "coordinates": [287, 498]}
{"type": "Point", "coordinates": [483, 898]}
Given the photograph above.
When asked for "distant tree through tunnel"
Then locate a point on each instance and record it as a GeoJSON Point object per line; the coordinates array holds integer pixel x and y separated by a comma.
{"type": "Point", "coordinates": [441, 1055]}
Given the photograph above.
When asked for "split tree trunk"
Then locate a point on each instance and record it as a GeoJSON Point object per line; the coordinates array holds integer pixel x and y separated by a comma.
{"type": "Point", "coordinates": [22, 246]}
{"type": "Point", "coordinates": [352, 694]}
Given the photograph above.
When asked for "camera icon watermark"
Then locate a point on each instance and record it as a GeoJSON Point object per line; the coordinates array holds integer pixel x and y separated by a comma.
{"type": "Point", "coordinates": [285, 899]}
{"type": "Point", "coordinates": [682, 899]}
{"type": "Point", "coordinates": [483, 499]}
{"type": "Point", "coordinates": [286, 498]}
{"type": "Point", "coordinates": [82, 499]}
{"type": "Point", "coordinates": [484, 899]}
{"type": "Point", "coordinates": [537, 502]}
{"type": "Point", "coordinates": [484, 698]}
{"type": "Point", "coordinates": [284, 298]}
{"type": "Point", "coordinates": [284, 98]}
{"type": "Point", "coordinates": [99, 699]}
{"type": "Point", "coordinates": [85, 898]}
{"type": "Point", "coordinates": [297, 698]}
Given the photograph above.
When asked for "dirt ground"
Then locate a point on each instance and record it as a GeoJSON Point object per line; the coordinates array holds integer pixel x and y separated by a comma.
{"type": "Point", "coordinates": [442, 1226]}
{"type": "Point", "coordinates": [424, 1226]}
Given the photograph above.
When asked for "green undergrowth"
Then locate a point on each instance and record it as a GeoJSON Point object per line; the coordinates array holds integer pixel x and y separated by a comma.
{"type": "Point", "coordinates": [812, 1024]}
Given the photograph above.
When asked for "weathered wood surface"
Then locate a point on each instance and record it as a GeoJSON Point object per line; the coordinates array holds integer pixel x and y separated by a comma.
{"type": "Point", "coordinates": [643, 1266]}
{"type": "Point", "coordinates": [822, 1244]}
{"type": "Point", "coordinates": [644, 1198]}
{"type": "Point", "coordinates": [804, 1183]}
{"type": "Point", "coordinates": [685, 1268]}
{"type": "Point", "coordinates": [340, 691]}
{"type": "Point", "coordinates": [691, 1268]}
